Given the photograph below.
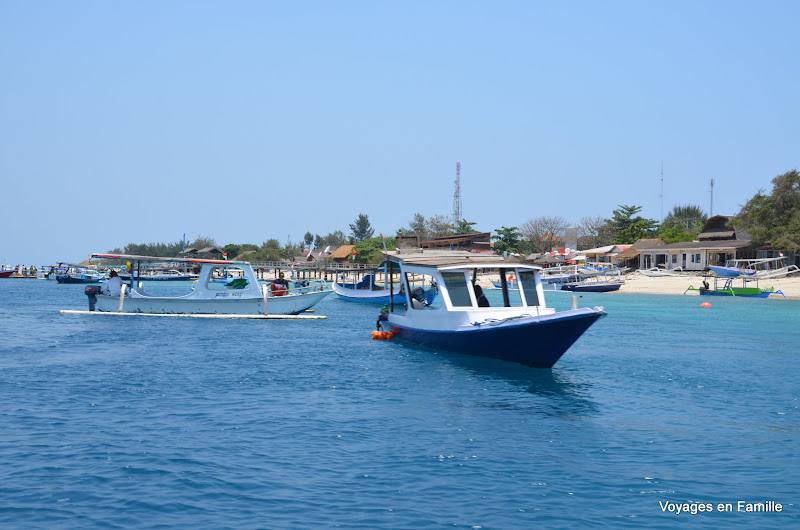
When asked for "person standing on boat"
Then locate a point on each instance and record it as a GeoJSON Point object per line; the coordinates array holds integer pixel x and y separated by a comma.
{"type": "Point", "coordinates": [114, 285]}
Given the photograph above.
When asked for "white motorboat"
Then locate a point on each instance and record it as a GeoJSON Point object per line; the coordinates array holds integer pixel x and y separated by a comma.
{"type": "Point", "coordinates": [206, 296]}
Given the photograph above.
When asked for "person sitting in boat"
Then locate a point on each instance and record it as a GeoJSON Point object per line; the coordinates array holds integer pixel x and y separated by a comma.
{"type": "Point", "coordinates": [279, 285]}
{"type": "Point", "coordinates": [114, 284]}
{"type": "Point", "coordinates": [482, 301]}
{"type": "Point", "coordinates": [705, 284]}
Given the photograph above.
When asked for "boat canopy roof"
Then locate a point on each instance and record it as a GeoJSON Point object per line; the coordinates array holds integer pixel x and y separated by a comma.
{"type": "Point", "coordinates": [133, 257]}
{"type": "Point", "coordinates": [451, 260]}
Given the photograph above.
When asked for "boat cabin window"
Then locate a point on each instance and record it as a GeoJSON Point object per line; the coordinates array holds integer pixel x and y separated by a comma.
{"type": "Point", "coordinates": [528, 281]}
{"type": "Point", "coordinates": [422, 289]}
{"type": "Point", "coordinates": [456, 283]}
{"type": "Point", "coordinates": [224, 278]}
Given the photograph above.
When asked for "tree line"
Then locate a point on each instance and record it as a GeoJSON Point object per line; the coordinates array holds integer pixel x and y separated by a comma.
{"type": "Point", "coordinates": [771, 219]}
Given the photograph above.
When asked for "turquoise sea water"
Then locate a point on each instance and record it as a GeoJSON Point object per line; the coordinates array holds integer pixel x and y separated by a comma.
{"type": "Point", "coordinates": [132, 422]}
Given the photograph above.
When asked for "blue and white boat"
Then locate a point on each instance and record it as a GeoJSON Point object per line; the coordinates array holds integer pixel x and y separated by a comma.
{"type": "Point", "coordinates": [363, 286]}
{"type": "Point", "coordinates": [73, 273]}
{"type": "Point", "coordinates": [367, 287]}
{"type": "Point", "coordinates": [763, 268]}
{"type": "Point", "coordinates": [520, 328]}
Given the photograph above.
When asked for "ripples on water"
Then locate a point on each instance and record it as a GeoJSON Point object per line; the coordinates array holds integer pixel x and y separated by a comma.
{"type": "Point", "coordinates": [142, 422]}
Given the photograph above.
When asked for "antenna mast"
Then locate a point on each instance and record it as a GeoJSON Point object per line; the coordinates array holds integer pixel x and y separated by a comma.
{"type": "Point", "coordinates": [711, 211]}
{"type": "Point", "coordinates": [457, 197]}
{"type": "Point", "coordinates": [662, 190]}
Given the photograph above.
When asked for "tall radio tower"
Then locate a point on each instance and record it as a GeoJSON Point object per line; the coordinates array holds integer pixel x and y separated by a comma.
{"type": "Point", "coordinates": [457, 197]}
{"type": "Point", "coordinates": [662, 190]}
{"type": "Point", "coordinates": [711, 212]}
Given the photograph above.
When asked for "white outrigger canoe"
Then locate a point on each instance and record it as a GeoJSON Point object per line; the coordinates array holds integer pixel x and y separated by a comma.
{"type": "Point", "coordinates": [763, 268]}
{"type": "Point", "coordinates": [207, 296]}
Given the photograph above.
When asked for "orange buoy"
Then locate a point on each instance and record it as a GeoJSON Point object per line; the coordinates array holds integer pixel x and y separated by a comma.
{"type": "Point", "coordinates": [705, 304]}
{"type": "Point", "coordinates": [376, 334]}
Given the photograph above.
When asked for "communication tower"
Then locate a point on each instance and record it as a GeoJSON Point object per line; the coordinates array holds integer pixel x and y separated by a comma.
{"type": "Point", "coordinates": [457, 197]}
{"type": "Point", "coordinates": [711, 210]}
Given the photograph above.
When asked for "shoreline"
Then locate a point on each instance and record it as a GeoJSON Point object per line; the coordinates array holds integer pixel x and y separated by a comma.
{"type": "Point", "coordinates": [637, 283]}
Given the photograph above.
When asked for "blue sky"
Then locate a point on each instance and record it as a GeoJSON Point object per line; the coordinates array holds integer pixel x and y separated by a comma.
{"type": "Point", "coordinates": [243, 121]}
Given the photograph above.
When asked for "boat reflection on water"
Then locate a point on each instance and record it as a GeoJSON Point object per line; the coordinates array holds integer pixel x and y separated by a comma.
{"type": "Point", "coordinates": [554, 393]}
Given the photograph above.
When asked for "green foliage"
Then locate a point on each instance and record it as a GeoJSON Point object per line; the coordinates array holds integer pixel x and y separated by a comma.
{"type": "Point", "coordinates": [161, 250]}
{"type": "Point", "coordinates": [774, 219]}
{"type": "Point", "coordinates": [202, 242]}
{"type": "Point", "coordinates": [369, 250]}
{"type": "Point", "coordinates": [308, 239]}
{"type": "Point", "coordinates": [334, 239]}
{"type": "Point", "coordinates": [432, 227]}
{"type": "Point", "coordinates": [465, 227]}
{"type": "Point", "coordinates": [507, 240]}
{"type": "Point", "coordinates": [232, 250]}
{"type": "Point", "coordinates": [417, 227]}
{"type": "Point", "coordinates": [629, 228]}
{"type": "Point", "coordinates": [683, 223]}
{"type": "Point", "coordinates": [361, 229]}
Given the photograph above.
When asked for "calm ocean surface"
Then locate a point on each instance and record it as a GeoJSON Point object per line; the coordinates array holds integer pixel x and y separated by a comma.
{"type": "Point", "coordinates": [121, 422]}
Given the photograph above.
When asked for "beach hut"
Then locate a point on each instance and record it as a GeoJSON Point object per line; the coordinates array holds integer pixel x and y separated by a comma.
{"type": "Point", "coordinates": [342, 254]}
{"type": "Point", "coordinates": [717, 243]}
{"type": "Point", "coordinates": [630, 257]}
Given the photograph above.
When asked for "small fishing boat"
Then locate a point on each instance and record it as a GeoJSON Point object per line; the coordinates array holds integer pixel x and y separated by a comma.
{"type": "Point", "coordinates": [45, 272]}
{"type": "Point", "coordinates": [7, 273]}
{"type": "Point", "coordinates": [728, 288]}
{"type": "Point", "coordinates": [605, 282]}
{"type": "Point", "coordinates": [363, 286]}
{"type": "Point", "coordinates": [206, 296]}
{"type": "Point", "coordinates": [520, 329]}
{"type": "Point", "coordinates": [657, 272]}
{"type": "Point", "coordinates": [78, 274]}
{"type": "Point", "coordinates": [758, 268]}
{"type": "Point", "coordinates": [367, 287]}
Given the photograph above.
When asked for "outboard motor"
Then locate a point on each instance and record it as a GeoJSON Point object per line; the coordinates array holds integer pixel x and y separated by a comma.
{"type": "Point", "coordinates": [418, 294]}
{"type": "Point", "coordinates": [92, 291]}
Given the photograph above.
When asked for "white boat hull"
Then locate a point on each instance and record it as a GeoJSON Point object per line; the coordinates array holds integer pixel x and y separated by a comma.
{"type": "Point", "coordinates": [227, 303]}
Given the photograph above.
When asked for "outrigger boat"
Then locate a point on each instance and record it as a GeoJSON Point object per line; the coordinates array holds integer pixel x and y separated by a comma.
{"type": "Point", "coordinates": [75, 273]}
{"type": "Point", "coordinates": [206, 297]}
{"type": "Point", "coordinates": [520, 329]}
{"type": "Point", "coordinates": [728, 289]}
{"type": "Point", "coordinates": [368, 288]}
{"type": "Point", "coordinates": [365, 287]}
{"type": "Point", "coordinates": [600, 283]}
{"type": "Point", "coordinates": [758, 268]}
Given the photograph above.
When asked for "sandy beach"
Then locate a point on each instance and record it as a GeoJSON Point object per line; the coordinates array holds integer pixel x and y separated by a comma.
{"type": "Point", "coordinates": [640, 284]}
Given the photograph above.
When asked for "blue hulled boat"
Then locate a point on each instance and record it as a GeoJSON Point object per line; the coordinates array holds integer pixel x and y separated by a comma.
{"type": "Point", "coordinates": [520, 329]}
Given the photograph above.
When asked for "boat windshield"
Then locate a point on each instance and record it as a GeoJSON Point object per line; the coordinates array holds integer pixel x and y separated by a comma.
{"type": "Point", "coordinates": [527, 278]}
{"type": "Point", "coordinates": [456, 283]}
